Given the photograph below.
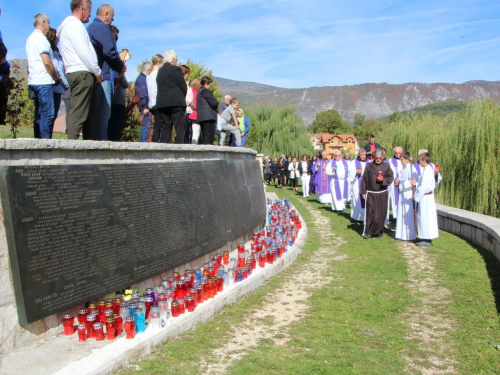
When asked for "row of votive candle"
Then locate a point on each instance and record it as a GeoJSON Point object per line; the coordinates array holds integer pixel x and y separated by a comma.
{"type": "Point", "coordinates": [179, 294]}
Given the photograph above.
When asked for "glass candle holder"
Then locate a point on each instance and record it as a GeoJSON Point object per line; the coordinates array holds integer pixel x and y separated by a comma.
{"type": "Point", "coordinates": [131, 308]}
{"type": "Point", "coordinates": [130, 327]}
{"type": "Point", "coordinates": [110, 328]}
{"type": "Point", "coordinates": [175, 309]}
{"type": "Point", "coordinates": [182, 307]}
{"type": "Point", "coordinates": [241, 248]}
{"type": "Point", "coordinates": [190, 304]}
{"type": "Point", "coordinates": [108, 314]}
{"type": "Point", "coordinates": [118, 324]}
{"type": "Point", "coordinates": [98, 331]}
{"type": "Point", "coordinates": [116, 305]}
{"type": "Point", "coordinates": [176, 275]}
{"type": "Point", "coordinates": [194, 292]}
{"type": "Point", "coordinates": [199, 293]}
{"type": "Point", "coordinates": [91, 319]}
{"type": "Point", "coordinates": [232, 262]}
{"type": "Point", "coordinates": [163, 306]}
{"type": "Point", "coordinates": [148, 304]}
{"type": "Point", "coordinates": [140, 320]}
{"type": "Point", "coordinates": [180, 291]}
{"type": "Point", "coordinates": [82, 316]}
{"type": "Point", "coordinates": [241, 260]}
{"type": "Point", "coordinates": [220, 284]}
{"type": "Point", "coordinates": [82, 332]}
{"type": "Point", "coordinates": [68, 324]}
{"type": "Point", "coordinates": [225, 257]}
{"type": "Point", "coordinates": [92, 306]}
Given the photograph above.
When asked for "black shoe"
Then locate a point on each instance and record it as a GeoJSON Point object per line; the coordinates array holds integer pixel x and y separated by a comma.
{"type": "Point", "coordinates": [366, 236]}
{"type": "Point", "coordinates": [380, 236]}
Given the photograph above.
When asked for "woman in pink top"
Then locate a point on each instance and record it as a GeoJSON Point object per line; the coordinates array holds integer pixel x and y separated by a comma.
{"type": "Point", "coordinates": [193, 116]}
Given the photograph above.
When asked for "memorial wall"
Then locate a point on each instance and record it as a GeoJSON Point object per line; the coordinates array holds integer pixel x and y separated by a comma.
{"type": "Point", "coordinates": [80, 220]}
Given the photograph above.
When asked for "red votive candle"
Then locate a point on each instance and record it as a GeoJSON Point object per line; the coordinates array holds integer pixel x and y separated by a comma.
{"type": "Point", "coordinates": [82, 316]}
{"type": "Point", "coordinates": [220, 284]}
{"type": "Point", "coordinates": [241, 248]}
{"type": "Point", "coordinates": [241, 260]}
{"type": "Point", "coordinates": [92, 306]}
{"type": "Point", "coordinates": [68, 321]}
{"type": "Point", "coordinates": [118, 324]}
{"type": "Point", "coordinates": [175, 309]}
{"type": "Point", "coordinates": [116, 305]}
{"type": "Point", "coordinates": [190, 303]}
{"type": "Point", "coordinates": [199, 290]}
{"type": "Point", "coordinates": [182, 306]}
{"type": "Point", "coordinates": [110, 328]}
{"type": "Point", "coordinates": [107, 314]}
{"type": "Point", "coordinates": [148, 304]}
{"type": "Point", "coordinates": [225, 257]}
{"type": "Point", "coordinates": [130, 327]}
{"type": "Point", "coordinates": [91, 319]}
{"type": "Point", "coordinates": [194, 292]}
{"type": "Point", "coordinates": [176, 276]}
{"type": "Point", "coordinates": [82, 330]}
{"type": "Point", "coordinates": [99, 331]}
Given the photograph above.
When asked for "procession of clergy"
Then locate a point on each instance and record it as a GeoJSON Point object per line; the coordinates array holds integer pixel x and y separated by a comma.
{"type": "Point", "coordinates": [377, 185]}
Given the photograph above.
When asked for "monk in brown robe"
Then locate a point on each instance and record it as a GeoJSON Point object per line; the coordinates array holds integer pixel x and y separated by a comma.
{"type": "Point", "coordinates": [377, 177]}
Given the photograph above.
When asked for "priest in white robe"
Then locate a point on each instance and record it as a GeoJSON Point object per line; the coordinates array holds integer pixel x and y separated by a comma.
{"type": "Point", "coordinates": [405, 222]}
{"type": "Point", "coordinates": [338, 170]}
{"type": "Point", "coordinates": [397, 167]}
{"type": "Point", "coordinates": [427, 223]}
{"type": "Point", "coordinates": [357, 202]}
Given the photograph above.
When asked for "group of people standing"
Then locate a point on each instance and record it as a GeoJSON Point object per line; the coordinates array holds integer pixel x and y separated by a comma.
{"type": "Point", "coordinates": [373, 185]}
{"type": "Point", "coordinates": [83, 67]}
{"type": "Point", "coordinates": [189, 107]}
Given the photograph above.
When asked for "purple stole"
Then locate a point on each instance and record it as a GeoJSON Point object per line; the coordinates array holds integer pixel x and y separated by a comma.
{"type": "Point", "coordinates": [394, 162]}
{"type": "Point", "coordinates": [359, 165]}
{"type": "Point", "coordinates": [337, 183]}
{"type": "Point", "coordinates": [323, 184]}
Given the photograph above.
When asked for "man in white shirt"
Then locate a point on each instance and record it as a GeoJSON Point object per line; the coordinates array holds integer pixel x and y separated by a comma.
{"type": "Point", "coordinates": [41, 76]}
{"type": "Point", "coordinates": [82, 69]}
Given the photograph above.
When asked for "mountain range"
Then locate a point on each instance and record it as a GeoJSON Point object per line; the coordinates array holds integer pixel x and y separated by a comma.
{"type": "Point", "coordinates": [374, 100]}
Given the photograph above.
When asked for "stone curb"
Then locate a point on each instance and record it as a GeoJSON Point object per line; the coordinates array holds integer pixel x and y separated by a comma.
{"type": "Point", "coordinates": [479, 229]}
{"type": "Point", "coordinates": [184, 323]}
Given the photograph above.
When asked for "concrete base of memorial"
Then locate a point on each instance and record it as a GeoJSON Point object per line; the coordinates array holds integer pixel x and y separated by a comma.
{"type": "Point", "coordinates": [62, 154]}
{"type": "Point", "coordinates": [66, 356]}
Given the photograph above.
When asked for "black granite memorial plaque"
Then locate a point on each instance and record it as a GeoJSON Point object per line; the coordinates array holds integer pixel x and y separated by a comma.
{"type": "Point", "coordinates": [78, 232]}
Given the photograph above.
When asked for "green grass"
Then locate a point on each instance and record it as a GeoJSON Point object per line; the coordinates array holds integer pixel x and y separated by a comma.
{"type": "Point", "coordinates": [356, 324]}
{"type": "Point", "coordinates": [25, 132]}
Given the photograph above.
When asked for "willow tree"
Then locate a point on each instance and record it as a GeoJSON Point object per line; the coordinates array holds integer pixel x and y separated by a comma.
{"type": "Point", "coordinates": [467, 147]}
{"type": "Point", "coordinates": [277, 131]}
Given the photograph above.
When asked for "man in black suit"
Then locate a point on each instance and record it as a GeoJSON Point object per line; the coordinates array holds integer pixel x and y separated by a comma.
{"type": "Point", "coordinates": [171, 100]}
{"type": "Point", "coordinates": [371, 147]}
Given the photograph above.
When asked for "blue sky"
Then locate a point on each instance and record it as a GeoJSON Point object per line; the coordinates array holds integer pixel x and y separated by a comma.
{"type": "Point", "coordinates": [295, 44]}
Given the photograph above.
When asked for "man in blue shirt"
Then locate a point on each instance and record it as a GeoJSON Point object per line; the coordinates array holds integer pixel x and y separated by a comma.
{"type": "Point", "coordinates": [110, 63]}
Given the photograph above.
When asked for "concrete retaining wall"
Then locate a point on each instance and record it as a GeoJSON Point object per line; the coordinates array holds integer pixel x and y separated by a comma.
{"type": "Point", "coordinates": [479, 229]}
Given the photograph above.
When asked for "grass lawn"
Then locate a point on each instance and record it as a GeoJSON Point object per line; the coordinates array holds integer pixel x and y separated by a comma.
{"type": "Point", "coordinates": [358, 323]}
{"type": "Point", "coordinates": [25, 132]}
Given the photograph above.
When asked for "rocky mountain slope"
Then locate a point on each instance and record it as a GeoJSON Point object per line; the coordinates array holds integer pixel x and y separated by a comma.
{"type": "Point", "coordinates": [374, 100]}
